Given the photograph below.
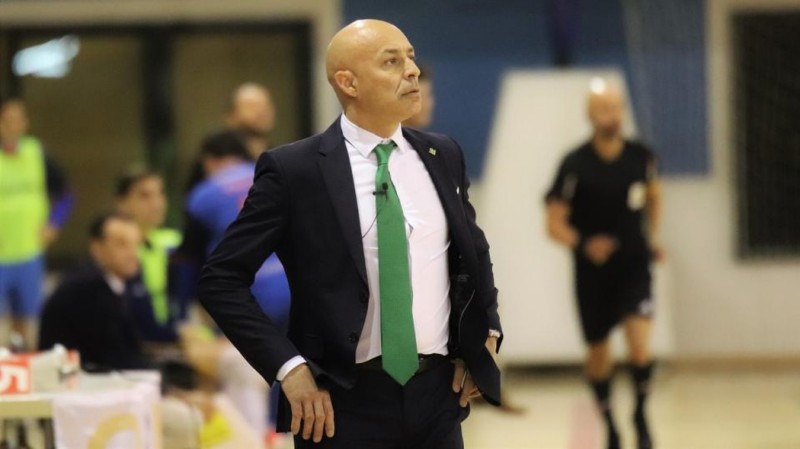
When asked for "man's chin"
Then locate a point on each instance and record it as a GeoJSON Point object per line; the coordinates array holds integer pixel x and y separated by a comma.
{"type": "Point", "coordinates": [611, 134]}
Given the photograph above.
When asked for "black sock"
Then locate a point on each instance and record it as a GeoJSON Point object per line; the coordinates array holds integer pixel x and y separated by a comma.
{"type": "Point", "coordinates": [641, 384]}
{"type": "Point", "coordinates": [602, 395]}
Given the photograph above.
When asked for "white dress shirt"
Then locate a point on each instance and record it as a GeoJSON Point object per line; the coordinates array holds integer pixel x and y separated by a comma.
{"type": "Point", "coordinates": [428, 239]}
{"type": "Point", "coordinates": [428, 242]}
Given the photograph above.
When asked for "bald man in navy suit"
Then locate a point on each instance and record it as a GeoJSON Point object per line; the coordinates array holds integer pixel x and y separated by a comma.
{"type": "Point", "coordinates": [370, 360]}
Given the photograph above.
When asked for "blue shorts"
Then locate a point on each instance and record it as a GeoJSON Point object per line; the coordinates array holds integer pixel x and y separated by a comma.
{"type": "Point", "coordinates": [21, 288]}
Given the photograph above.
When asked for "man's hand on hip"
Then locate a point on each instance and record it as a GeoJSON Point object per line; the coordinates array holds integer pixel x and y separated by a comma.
{"type": "Point", "coordinates": [462, 379]}
{"type": "Point", "coordinates": [311, 407]}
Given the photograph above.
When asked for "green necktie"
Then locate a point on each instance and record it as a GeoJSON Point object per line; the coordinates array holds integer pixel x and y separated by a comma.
{"type": "Point", "coordinates": [399, 343]}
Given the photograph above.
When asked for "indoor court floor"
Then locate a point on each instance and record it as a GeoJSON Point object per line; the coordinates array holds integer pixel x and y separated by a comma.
{"type": "Point", "coordinates": [690, 408]}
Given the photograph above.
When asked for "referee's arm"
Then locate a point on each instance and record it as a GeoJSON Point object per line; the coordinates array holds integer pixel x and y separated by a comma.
{"type": "Point", "coordinates": [558, 208]}
{"type": "Point", "coordinates": [653, 212]}
{"type": "Point", "coordinates": [558, 227]}
{"type": "Point", "coordinates": [597, 248]}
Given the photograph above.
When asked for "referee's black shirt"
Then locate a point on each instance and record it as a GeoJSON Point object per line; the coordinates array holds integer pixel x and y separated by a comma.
{"type": "Point", "coordinates": [607, 197]}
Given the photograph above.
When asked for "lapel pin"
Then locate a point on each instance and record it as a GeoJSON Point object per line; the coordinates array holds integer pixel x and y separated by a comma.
{"type": "Point", "coordinates": [432, 151]}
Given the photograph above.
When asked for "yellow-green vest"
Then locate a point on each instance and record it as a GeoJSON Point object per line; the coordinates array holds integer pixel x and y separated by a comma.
{"type": "Point", "coordinates": [24, 205]}
{"type": "Point", "coordinates": [154, 257]}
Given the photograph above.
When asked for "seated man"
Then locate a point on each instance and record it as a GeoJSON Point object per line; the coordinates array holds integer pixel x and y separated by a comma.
{"type": "Point", "coordinates": [88, 312]}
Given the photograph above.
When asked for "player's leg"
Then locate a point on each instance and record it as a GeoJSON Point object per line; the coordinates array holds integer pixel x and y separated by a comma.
{"type": "Point", "coordinates": [597, 322]}
{"type": "Point", "coordinates": [599, 371]}
{"type": "Point", "coordinates": [27, 281]}
{"type": "Point", "coordinates": [637, 331]}
{"type": "Point", "coordinates": [598, 360]}
{"type": "Point", "coordinates": [638, 311]}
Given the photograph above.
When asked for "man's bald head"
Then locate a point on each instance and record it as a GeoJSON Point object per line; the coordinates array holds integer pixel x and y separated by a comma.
{"type": "Point", "coordinates": [349, 44]}
{"type": "Point", "coordinates": [606, 108]}
{"type": "Point", "coordinates": [370, 64]}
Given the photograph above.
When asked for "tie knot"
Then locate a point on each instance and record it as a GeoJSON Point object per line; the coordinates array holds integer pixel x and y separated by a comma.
{"type": "Point", "coordinates": [383, 151]}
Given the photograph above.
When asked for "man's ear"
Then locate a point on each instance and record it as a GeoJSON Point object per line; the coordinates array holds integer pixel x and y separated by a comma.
{"type": "Point", "coordinates": [346, 81]}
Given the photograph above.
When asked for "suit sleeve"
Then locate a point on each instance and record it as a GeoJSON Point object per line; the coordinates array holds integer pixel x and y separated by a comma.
{"type": "Point", "coordinates": [486, 290]}
{"type": "Point", "coordinates": [224, 287]}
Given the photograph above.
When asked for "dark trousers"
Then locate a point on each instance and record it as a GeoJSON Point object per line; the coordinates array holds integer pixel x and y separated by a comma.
{"type": "Point", "coordinates": [380, 414]}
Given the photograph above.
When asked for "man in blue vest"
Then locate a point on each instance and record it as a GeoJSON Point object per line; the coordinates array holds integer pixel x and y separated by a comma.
{"type": "Point", "coordinates": [34, 204]}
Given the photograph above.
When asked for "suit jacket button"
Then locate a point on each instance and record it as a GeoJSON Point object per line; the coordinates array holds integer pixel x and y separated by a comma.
{"type": "Point", "coordinates": [353, 338]}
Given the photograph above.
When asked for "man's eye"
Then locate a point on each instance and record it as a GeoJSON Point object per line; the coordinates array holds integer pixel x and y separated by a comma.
{"type": "Point", "coordinates": [392, 61]}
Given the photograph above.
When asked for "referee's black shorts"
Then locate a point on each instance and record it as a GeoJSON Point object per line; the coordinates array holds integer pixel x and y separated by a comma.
{"type": "Point", "coordinates": [610, 293]}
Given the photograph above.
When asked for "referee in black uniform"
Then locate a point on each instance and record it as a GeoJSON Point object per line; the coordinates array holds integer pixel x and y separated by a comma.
{"type": "Point", "coordinates": [604, 205]}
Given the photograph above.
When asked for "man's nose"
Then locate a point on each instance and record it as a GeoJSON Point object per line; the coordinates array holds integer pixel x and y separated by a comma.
{"type": "Point", "coordinates": [412, 70]}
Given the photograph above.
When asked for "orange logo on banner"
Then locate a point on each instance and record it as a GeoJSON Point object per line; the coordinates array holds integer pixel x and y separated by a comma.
{"type": "Point", "coordinates": [15, 375]}
{"type": "Point", "coordinates": [16, 372]}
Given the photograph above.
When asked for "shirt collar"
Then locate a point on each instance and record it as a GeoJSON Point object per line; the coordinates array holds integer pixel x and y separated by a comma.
{"type": "Point", "coordinates": [364, 141]}
{"type": "Point", "coordinates": [115, 283]}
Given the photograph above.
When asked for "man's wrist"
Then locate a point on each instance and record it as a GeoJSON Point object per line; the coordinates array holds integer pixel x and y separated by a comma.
{"type": "Point", "coordinates": [289, 366]}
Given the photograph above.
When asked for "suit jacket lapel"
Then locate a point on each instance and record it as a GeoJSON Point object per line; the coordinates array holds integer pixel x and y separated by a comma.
{"type": "Point", "coordinates": [334, 164]}
{"type": "Point", "coordinates": [446, 188]}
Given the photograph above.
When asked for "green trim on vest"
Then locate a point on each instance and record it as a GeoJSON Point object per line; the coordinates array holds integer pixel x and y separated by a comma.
{"type": "Point", "coordinates": [24, 205]}
{"type": "Point", "coordinates": [154, 257]}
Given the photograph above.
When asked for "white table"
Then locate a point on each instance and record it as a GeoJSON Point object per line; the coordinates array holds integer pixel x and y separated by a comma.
{"type": "Point", "coordinates": [40, 405]}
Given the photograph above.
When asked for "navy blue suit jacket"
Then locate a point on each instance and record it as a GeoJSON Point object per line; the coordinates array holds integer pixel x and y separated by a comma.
{"type": "Point", "coordinates": [303, 206]}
